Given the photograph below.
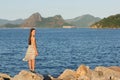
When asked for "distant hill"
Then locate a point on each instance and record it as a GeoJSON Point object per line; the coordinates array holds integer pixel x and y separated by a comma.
{"type": "Point", "coordinates": [36, 20]}
{"type": "Point", "coordinates": [32, 20]}
{"type": "Point", "coordinates": [53, 22]}
{"type": "Point", "coordinates": [57, 21]}
{"type": "Point", "coordinates": [109, 22]}
{"type": "Point", "coordinates": [83, 21]}
{"type": "Point", "coordinates": [9, 25]}
{"type": "Point", "coordinates": [5, 21]}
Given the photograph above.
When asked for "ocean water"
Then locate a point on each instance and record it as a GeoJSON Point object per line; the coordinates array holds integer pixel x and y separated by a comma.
{"type": "Point", "coordinates": [60, 49]}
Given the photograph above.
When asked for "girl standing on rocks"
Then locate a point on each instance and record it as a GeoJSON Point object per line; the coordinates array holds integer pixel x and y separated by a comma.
{"type": "Point", "coordinates": [31, 51]}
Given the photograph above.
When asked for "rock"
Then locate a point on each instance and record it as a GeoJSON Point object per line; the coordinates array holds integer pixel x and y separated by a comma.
{"type": "Point", "coordinates": [4, 77]}
{"type": "Point", "coordinates": [31, 21]}
{"type": "Point", "coordinates": [52, 78]}
{"type": "Point", "coordinates": [1, 78]}
{"type": "Point", "coordinates": [68, 75]}
{"type": "Point", "coordinates": [115, 68]}
{"type": "Point", "coordinates": [108, 73]}
{"type": "Point", "coordinates": [97, 75]}
{"type": "Point", "coordinates": [47, 77]}
{"type": "Point", "coordinates": [83, 78]}
{"type": "Point", "coordinates": [83, 71]}
{"type": "Point", "coordinates": [26, 75]}
{"type": "Point", "coordinates": [56, 79]}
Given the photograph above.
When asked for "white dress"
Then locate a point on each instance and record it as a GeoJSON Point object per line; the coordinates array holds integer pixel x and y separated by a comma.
{"type": "Point", "coordinates": [30, 53]}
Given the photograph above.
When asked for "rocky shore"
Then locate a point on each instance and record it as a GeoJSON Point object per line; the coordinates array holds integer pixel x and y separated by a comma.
{"type": "Point", "coordinates": [81, 73]}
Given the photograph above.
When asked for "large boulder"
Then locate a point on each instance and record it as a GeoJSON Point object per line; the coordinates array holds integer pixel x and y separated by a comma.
{"type": "Point", "coordinates": [4, 77]}
{"type": "Point", "coordinates": [109, 73]}
{"type": "Point", "coordinates": [1, 78]}
{"type": "Point", "coordinates": [83, 72]}
{"type": "Point", "coordinates": [115, 68]}
{"type": "Point", "coordinates": [26, 75]}
{"type": "Point", "coordinates": [68, 75]}
{"type": "Point", "coordinates": [97, 75]}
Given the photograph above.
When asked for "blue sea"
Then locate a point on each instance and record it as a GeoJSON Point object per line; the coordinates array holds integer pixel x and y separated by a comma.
{"type": "Point", "coordinates": [60, 49]}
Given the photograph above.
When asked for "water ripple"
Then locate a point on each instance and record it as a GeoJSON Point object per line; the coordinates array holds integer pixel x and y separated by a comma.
{"type": "Point", "coordinates": [60, 49]}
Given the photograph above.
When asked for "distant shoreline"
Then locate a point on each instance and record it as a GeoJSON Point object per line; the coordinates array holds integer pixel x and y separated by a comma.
{"type": "Point", "coordinates": [59, 28]}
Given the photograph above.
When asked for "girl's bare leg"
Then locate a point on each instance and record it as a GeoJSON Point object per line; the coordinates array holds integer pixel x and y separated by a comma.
{"type": "Point", "coordinates": [33, 64]}
{"type": "Point", "coordinates": [29, 64]}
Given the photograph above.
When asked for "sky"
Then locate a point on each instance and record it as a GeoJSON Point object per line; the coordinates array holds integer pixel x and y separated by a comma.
{"type": "Point", "coordinates": [68, 9]}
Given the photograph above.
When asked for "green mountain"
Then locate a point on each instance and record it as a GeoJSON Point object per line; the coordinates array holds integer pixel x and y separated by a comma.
{"type": "Point", "coordinates": [109, 22]}
{"type": "Point", "coordinates": [9, 25]}
{"type": "Point", "coordinates": [83, 21]}
{"type": "Point", "coordinates": [36, 20]}
{"type": "Point", "coordinates": [5, 21]}
{"type": "Point", "coordinates": [53, 22]}
{"type": "Point", "coordinates": [57, 21]}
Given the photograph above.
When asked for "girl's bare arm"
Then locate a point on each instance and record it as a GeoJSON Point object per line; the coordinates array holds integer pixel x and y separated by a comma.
{"type": "Point", "coordinates": [35, 46]}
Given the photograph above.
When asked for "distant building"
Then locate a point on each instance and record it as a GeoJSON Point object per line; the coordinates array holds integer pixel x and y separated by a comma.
{"type": "Point", "coordinates": [68, 26]}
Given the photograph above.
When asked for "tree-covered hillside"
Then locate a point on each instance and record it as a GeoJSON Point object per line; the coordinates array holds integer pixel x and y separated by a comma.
{"type": "Point", "coordinates": [109, 22]}
{"type": "Point", "coordinates": [53, 22]}
{"type": "Point", "coordinates": [83, 21]}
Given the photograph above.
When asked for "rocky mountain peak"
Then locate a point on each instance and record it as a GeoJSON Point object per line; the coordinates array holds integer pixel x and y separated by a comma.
{"type": "Point", "coordinates": [31, 21]}
{"type": "Point", "coordinates": [58, 17]}
{"type": "Point", "coordinates": [36, 17]}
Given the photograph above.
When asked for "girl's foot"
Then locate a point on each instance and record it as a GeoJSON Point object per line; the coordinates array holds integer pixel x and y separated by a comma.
{"type": "Point", "coordinates": [32, 71]}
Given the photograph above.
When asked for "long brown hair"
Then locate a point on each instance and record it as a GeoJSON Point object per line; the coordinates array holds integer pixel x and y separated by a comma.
{"type": "Point", "coordinates": [29, 39]}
